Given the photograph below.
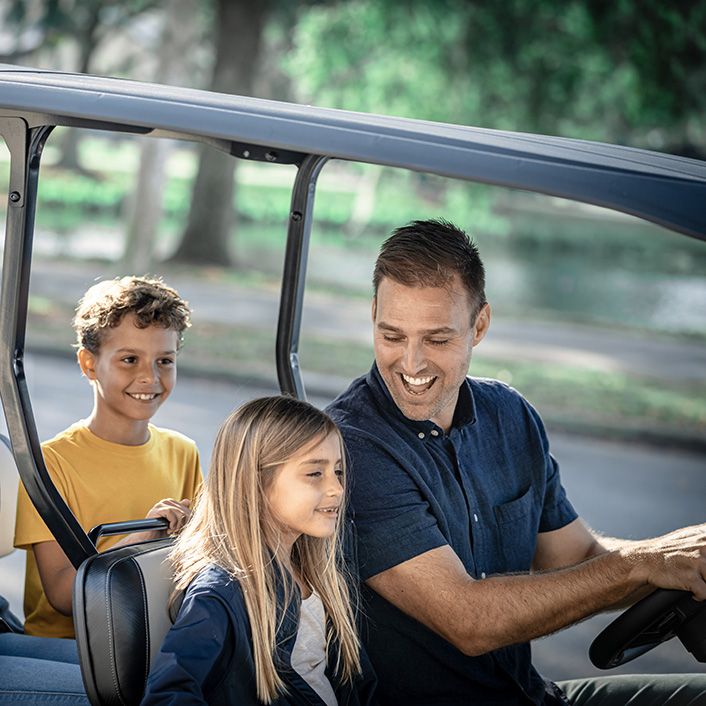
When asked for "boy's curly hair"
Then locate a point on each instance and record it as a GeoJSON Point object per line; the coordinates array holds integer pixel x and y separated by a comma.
{"type": "Point", "coordinates": [151, 301]}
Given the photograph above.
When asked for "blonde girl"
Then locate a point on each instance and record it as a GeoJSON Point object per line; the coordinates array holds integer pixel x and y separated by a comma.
{"type": "Point", "coordinates": [267, 615]}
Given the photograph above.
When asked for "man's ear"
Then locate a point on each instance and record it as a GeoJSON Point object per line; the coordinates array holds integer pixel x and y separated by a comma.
{"type": "Point", "coordinates": [87, 362]}
{"type": "Point", "coordinates": [374, 308]}
{"type": "Point", "coordinates": [482, 324]}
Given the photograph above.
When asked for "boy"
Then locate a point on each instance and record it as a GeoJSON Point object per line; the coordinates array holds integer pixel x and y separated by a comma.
{"type": "Point", "coordinates": [115, 465]}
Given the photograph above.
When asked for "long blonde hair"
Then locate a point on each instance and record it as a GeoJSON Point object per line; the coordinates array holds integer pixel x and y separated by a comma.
{"type": "Point", "coordinates": [232, 529]}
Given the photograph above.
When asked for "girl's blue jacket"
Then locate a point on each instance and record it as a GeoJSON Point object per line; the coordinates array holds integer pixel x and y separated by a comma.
{"type": "Point", "coordinates": [207, 656]}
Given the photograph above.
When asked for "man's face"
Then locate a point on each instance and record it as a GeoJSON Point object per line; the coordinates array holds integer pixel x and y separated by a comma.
{"type": "Point", "coordinates": [423, 340]}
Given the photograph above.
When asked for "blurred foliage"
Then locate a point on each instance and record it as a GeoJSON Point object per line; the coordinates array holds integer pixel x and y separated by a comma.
{"type": "Point", "coordinates": [42, 24]}
{"type": "Point", "coordinates": [67, 189]}
{"type": "Point", "coordinates": [624, 71]}
{"type": "Point", "coordinates": [535, 227]}
{"type": "Point", "coordinates": [630, 71]}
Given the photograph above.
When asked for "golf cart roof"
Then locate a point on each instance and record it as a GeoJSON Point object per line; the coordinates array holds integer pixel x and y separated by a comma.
{"type": "Point", "coordinates": [667, 190]}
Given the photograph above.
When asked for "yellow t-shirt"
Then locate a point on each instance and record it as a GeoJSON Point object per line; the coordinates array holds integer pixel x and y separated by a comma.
{"type": "Point", "coordinates": [101, 482]}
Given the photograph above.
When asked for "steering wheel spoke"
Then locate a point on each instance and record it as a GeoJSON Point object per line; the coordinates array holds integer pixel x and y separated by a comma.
{"type": "Point", "coordinates": [659, 617]}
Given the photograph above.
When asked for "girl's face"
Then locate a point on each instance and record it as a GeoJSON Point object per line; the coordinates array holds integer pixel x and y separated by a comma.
{"type": "Point", "coordinates": [306, 492]}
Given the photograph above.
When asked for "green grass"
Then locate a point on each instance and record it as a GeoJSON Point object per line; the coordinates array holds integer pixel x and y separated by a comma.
{"type": "Point", "coordinates": [577, 390]}
{"type": "Point", "coordinates": [498, 216]}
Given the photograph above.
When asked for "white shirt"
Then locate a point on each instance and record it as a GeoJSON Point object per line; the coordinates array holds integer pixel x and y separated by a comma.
{"type": "Point", "coordinates": [309, 653]}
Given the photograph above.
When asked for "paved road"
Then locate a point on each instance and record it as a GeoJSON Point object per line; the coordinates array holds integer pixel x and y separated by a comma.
{"type": "Point", "coordinates": [628, 491]}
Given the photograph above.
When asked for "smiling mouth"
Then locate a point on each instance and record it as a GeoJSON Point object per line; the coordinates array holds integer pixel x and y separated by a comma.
{"type": "Point", "coordinates": [328, 510]}
{"type": "Point", "coordinates": [143, 396]}
{"type": "Point", "coordinates": [417, 386]}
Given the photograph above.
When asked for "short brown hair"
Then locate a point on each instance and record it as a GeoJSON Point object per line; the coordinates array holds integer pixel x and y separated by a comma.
{"type": "Point", "coordinates": [429, 254]}
{"type": "Point", "coordinates": [151, 301]}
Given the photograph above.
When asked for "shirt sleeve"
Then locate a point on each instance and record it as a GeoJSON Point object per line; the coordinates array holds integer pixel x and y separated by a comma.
{"type": "Point", "coordinates": [392, 516]}
{"type": "Point", "coordinates": [557, 510]}
{"type": "Point", "coordinates": [29, 526]}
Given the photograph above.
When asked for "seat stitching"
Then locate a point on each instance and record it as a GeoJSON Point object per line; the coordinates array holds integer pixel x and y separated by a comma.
{"type": "Point", "coordinates": [147, 627]}
{"type": "Point", "coordinates": [144, 603]}
{"type": "Point", "coordinates": [111, 650]}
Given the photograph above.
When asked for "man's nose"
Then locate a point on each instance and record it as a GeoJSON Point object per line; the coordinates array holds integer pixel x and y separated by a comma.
{"type": "Point", "coordinates": [413, 357]}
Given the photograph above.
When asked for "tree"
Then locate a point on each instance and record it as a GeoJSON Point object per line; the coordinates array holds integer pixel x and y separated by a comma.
{"type": "Point", "coordinates": [48, 23]}
{"type": "Point", "coordinates": [173, 63]}
{"type": "Point", "coordinates": [239, 28]}
{"type": "Point", "coordinates": [629, 71]}
{"type": "Point", "coordinates": [664, 45]}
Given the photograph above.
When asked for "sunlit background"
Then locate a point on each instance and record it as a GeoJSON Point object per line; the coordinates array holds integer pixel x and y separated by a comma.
{"type": "Point", "coordinates": [599, 319]}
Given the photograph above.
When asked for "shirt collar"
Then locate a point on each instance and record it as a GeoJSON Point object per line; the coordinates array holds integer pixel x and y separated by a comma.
{"type": "Point", "coordinates": [464, 415]}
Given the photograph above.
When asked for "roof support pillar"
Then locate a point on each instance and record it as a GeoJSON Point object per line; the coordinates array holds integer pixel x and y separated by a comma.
{"type": "Point", "coordinates": [26, 146]}
{"type": "Point", "coordinates": [294, 276]}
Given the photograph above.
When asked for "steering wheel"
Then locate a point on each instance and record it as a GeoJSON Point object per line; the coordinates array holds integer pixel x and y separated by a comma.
{"type": "Point", "coordinates": [662, 615]}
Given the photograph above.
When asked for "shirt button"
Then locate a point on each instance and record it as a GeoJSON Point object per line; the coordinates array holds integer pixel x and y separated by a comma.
{"type": "Point", "coordinates": [421, 435]}
{"type": "Point", "coordinates": [434, 432]}
{"type": "Point", "coordinates": [482, 575]}
{"type": "Point", "coordinates": [475, 517]}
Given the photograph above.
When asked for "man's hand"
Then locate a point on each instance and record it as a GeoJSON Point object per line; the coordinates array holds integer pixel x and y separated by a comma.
{"type": "Point", "coordinates": [676, 560]}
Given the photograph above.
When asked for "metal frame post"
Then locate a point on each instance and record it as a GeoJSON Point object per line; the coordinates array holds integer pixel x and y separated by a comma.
{"type": "Point", "coordinates": [294, 276]}
{"type": "Point", "coordinates": [26, 145]}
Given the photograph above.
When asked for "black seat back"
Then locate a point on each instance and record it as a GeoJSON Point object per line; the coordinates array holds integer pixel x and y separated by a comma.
{"type": "Point", "coordinates": [121, 616]}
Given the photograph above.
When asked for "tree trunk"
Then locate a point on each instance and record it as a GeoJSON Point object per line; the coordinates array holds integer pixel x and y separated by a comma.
{"type": "Point", "coordinates": [88, 40]}
{"type": "Point", "coordinates": [145, 208]}
{"type": "Point", "coordinates": [211, 221]}
{"type": "Point", "coordinates": [364, 202]}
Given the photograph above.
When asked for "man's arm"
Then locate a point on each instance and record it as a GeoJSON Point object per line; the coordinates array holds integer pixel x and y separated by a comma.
{"type": "Point", "coordinates": [480, 616]}
{"type": "Point", "coordinates": [566, 546]}
{"type": "Point", "coordinates": [574, 543]}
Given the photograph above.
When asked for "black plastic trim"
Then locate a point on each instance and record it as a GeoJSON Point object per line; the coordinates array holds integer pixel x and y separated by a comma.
{"type": "Point", "coordinates": [294, 276]}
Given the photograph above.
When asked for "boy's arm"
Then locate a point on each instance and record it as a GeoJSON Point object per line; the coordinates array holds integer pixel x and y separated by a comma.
{"type": "Point", "coordinates": [57, 575]}
{"type": "Point", "coordinates": [57, 572]}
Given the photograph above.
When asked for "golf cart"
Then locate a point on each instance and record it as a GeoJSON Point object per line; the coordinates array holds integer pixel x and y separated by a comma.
{"type": "Point", "coordinates": [120, 596]}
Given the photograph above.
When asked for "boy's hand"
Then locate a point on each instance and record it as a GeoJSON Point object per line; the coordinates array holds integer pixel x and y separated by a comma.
{"type": "Point", "coordinates": [176, 513]}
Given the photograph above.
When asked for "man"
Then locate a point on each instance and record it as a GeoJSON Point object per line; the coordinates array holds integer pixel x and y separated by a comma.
{"type": "Point", "coordinates": [468, 545]}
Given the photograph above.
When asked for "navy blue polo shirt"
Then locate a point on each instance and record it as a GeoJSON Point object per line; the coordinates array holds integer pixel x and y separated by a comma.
{"type": "Point", "coordinates": [486, 489]}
